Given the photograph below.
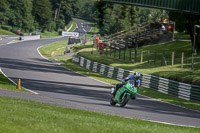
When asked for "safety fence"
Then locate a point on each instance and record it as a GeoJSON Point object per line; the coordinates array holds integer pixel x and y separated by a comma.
{"type": "Point", "coordinates": [166, 86]}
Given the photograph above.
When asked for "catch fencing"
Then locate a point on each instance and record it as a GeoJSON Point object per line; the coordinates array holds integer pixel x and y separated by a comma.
{"type": "Point", "coordinates": [166, 86]}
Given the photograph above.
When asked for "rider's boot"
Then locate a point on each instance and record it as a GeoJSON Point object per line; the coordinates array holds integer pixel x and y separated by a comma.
{"type": "Point", "coordinates": [113, 91]}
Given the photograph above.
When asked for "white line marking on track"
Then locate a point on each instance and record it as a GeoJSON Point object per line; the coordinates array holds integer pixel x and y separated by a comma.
{"type": "Point", "coordinates": [16, 83]}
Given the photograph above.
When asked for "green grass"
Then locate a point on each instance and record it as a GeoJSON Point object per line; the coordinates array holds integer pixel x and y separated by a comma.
{"type": "Point", "coordinates": [171, 72]}
{"type": "Point", "coordinates": [181, 36]}
{"type": "Point", "coordinates": [20, 116]}
{"type": "Point", "coordinates": [7, 84]}
{"type": "Point", "coordinates": [73, 27]}
{"type": "Point", "coordinates": [47, 34]}
{"type": "Point", "coordinates": [5, 32]}
{"type": "Point", "coordinates": [54, 49]}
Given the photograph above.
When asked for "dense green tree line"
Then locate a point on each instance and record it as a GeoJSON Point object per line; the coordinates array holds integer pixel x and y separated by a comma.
{"type": "Point", "coordinates": [31, 14]}
{"type": "Point", "coordinates": [55, 14]}
{"type": "Point", "coordinates": [112, 18]}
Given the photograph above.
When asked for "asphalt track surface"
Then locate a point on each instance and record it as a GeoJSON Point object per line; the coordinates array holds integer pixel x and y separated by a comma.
{"type": "Point", "coordinates": [60, 86]}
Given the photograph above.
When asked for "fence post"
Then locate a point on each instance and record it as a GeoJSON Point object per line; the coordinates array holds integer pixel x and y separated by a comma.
{"type": "Point", "coordinates": [119, 53]}
{"type": "Point", "coordinates": [141, 56]}
{"type": "Point", "coordinates": [114, 52]}
{"type": "Point", "coordinates": [155, 58]}
{"type": "Point", "coordinates": [172, 58]}
{"type": "Point", "coordinates": [163, 62]}
{"type": "Point", "coordinates": [182, 59]}
{"type": "Point", "coordinates": [192, 62]}
{"type": "Point", "coordinates": [148, 56]}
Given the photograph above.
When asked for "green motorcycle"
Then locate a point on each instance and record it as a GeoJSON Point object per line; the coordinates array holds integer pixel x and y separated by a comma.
{"type": "Point", "coordinates": [124, 93]}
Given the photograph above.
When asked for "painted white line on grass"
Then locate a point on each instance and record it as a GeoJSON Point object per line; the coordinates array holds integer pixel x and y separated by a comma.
{"type": "Point", "coordinates": [84, 30]}
{"type": "Point", "coordinates": [168, 123]}
{"type": "Point", "coordinates": [160, 122]}
{"type": "Point", "coordinates": [45, 57]}
{"type": "Point", "coordinates": [16, 83]}
{"type": "Point", "coordinates": [70, 27]}
{"type": "Point", "coordinates": [76, 27]}
{"type": "Point", "coordinates": [41, 54]}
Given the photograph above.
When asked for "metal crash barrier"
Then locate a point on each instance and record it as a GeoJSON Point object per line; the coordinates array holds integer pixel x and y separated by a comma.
{"type": "Point", "coordinates": [166, 86]}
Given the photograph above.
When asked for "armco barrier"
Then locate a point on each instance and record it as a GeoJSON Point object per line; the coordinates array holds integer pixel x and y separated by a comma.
{"type": "Point", "coordinates": [166, 86]}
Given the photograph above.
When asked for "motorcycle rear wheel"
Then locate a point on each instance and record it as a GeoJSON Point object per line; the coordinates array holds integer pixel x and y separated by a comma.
{"type": "Point", "coordinates": [124, 100]}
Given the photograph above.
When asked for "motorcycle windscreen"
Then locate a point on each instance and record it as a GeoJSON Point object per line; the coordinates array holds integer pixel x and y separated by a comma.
{"type": "Point", "coordinates": [131, 86]}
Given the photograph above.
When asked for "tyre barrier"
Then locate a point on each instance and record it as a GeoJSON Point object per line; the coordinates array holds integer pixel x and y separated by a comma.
{"type": "Point", "coordinates": [166, 86]}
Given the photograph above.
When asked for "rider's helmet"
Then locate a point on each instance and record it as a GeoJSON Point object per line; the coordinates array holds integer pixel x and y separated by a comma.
{"type": "Point", "coordinates": [137, 75]}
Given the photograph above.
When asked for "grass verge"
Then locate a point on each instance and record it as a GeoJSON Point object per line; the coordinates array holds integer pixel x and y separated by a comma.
{"type": "Point", "coordinates": [73, 27]}
{"type": "Point", "coordinates": [26, 116]}
{"type": "Point", "coordinates": [174, 72]}
{"type": "Point", "coordinates": [54, 49]}
{"type": "Point", "coordinates": [5, 32]}
{"type": "Point", "coordinates": [7, 84]}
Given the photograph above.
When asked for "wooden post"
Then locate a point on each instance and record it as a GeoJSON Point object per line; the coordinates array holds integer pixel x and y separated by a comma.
{"type": "Point", "coordinates": [141, 56]}
{"type": "Point", "coordinates": [172, 58]}
{"type": "Point", "coordinates": [148, 56]}
{"type": "Point", "coordinates": [182, 59]}
{"type": "Point", "coordinates": [192, 61]}
{"type": "Point", "coordinates": [136, 48]}
{"type": "Point", "coordinates": [114, 52]}
{"type": "Point", "coordinates": [119, 53]}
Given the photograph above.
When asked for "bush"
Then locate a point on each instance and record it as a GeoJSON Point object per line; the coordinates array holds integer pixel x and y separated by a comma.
{"type": "Point", "coordinates": [6, 27]}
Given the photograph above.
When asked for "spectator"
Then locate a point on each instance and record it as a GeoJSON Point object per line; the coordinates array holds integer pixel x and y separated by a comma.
{"type": "Point", "coordinates": [163, 28]}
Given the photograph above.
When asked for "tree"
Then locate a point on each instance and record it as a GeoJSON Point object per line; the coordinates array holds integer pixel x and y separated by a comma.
{"type": "Point", "coordinates": [4, 11]}
{"type": "Point", "coordinates": [42, 13]}
{"type": "Point", "coordinates": [63, 11]}
{"type": "Point", "coordinates": [16, 13]}
{"type": "Point", "coordinates": [186, 22]}
{"type": "Point", "coordinates": [133, 15]}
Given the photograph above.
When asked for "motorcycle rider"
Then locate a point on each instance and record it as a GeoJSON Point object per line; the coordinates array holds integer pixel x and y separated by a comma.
{"type": "Point", "coordinates": [135, 77]}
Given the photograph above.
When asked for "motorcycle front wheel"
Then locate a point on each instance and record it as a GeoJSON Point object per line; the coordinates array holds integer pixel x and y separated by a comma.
{"type": "Point", "coordinates": [112, 102]}
{"type": "Point", "coordinates": [125, 100]}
